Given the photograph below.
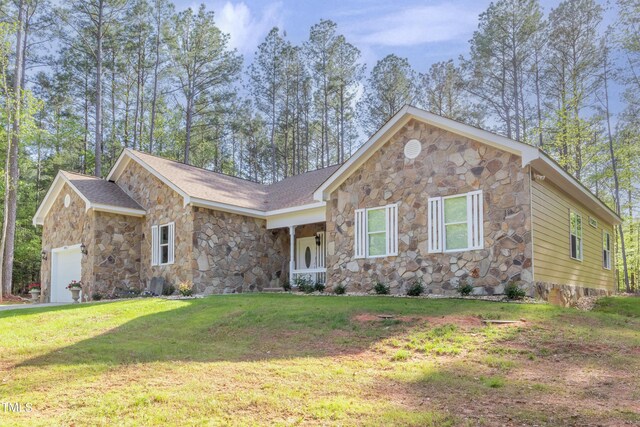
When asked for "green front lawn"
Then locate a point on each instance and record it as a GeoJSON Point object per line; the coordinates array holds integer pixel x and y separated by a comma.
{"type": "Point", "coordinates": [298, 360]}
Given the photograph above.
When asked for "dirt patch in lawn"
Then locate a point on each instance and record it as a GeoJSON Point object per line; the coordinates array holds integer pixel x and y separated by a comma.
{"type": "Point", "coordinates": [464, 322]}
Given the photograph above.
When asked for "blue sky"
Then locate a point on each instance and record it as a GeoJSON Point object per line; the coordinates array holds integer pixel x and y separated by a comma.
{"type": "Point", "coordinates": [422, 31]}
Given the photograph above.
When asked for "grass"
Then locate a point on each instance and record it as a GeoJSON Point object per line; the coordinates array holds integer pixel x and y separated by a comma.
{"type": "Point", "coordinates": [297, 360]}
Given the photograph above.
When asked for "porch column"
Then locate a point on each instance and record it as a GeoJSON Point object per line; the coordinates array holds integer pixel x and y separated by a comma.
{"type": "Point", "coordinates": [292, 243]}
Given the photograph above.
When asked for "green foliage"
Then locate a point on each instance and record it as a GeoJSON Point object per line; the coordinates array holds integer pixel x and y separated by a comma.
{"type": "Point", "coordinates": [304, 285]}
{"type": "Point", "coordinates": [513, 291]}
{"type": "Point", "coordinates": [465, 288]}
{"type": "Point", "coordinates": [381, 289]}
{"type": "Point", "coordinates": [623, 306]}
{"type": "Point", "coordinates": [168, 289]}
{"type": "Point", "coordinates": [96, 296]}
{"type": "Point", "coordinates": [340, 289]}
{"type": "Point", "coordinates": [319, 287]}
{"type": "Point", "coordinates": [185, 289]}
{"type": "Point", "coordinates": [286, 286]}
{"type": "Point", "coordinates": [416, 289]}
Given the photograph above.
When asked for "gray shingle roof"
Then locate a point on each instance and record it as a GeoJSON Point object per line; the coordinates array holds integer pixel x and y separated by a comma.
{"type": "Point", "coordinates": [102, 192]}
{"type": "Point", "coordinates": [216, 187]}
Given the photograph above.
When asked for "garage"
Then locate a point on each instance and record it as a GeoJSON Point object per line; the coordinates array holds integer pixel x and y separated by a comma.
{"type": "Point", "coordinates": [65, 267]}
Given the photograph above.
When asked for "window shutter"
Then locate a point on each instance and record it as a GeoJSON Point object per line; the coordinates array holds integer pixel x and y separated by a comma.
{"type": "Point", "coordinates": [154, 245]}
{"type": "Point", "coordinates": [475, 220]}
{"type": "Point", "coordinates": [360, 235]}
{"type": "Point", "coordinates": [392, 229]}
{"type": "Point", "coordinates": [172, 242]}
{"type": "Point", "coordinates": [434, 226]}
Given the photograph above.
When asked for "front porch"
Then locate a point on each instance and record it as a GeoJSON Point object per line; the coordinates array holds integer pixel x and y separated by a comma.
{"type": "Point", "coordinates": [307, 253]}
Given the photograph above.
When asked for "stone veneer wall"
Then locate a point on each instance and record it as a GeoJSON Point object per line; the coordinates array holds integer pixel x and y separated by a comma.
{"type": "Point", "coordinates": [116, 262]}
{"type": "Point", "coordinates": [235, 253]}
{"type": "Point", "coordinates": [66, 227]}
{"type": "Point", "coordinates": [163, 205]}
{"type": "Point", "coordinates": [448, 164]}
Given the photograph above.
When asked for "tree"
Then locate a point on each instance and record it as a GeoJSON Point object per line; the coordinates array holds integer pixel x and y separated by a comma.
{"type": "Point", "coordinates": [572, 78]}
{"type": "Point", "coordinates": [497, 69]}
{"type": "Point", "coordinates": [445, 94]}
{"type": "Point", "coordinates": [90, 20]}
{"type": "Point", "coordinates": [162, 11]}
{"type": "Point", "coordinates": [200, 62]}
{"type": "Point", "coordinates": [267, 80]}
{"type": "Point", "coordinates": [391, 85]}
{"type": "Point", "coordinates": [12, 170]}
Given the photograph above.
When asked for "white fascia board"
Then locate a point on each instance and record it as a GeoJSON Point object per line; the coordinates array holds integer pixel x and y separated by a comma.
{"type": "Point", "coordinates": [118, 210]}
{"type": "Point", "coordinates": [119, 166]}
{"type": "Point", "coordinates": [526, 152]}
{"type": "Point", "coordinates": [117, 169]}
{"type": "Point", "coordinates": [52, 195]}
{"type": "Point", "coordinates": [224, 207]}
{"type": "Point", "coordinates": [554, 172]}
{"type": "Point", "coordinates": [300, 217]}
{"type": "Point", "coordinates": [361, 155]}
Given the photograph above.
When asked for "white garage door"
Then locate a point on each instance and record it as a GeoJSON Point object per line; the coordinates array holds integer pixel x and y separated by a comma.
{"type": "Point", "coordinates": [65, 267]}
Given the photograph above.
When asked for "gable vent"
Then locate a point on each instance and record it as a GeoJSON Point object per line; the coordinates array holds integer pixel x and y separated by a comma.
{"type": "Point", "coordinates": [412, 148]}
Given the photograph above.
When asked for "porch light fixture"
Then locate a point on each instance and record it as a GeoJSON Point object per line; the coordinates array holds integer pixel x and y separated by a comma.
{"type": "Point", "coordinates": [83, 249]}
{"type": "Point", "coordinates": [318, 240]}
{"type": "Point", "coordinates": [43, 255]}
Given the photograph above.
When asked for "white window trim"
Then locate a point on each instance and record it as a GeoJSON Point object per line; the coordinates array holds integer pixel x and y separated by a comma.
{"type": "Point", "coordinates": [439, 245]}
{"type": "Point", "coordinates": [156, 245]}
{"type": "Point", "coordinates": [606, 234]}
{"type": "Point", "coordinates": [362, 232]}
{"type": "Point", "coordinates": [573, 211]}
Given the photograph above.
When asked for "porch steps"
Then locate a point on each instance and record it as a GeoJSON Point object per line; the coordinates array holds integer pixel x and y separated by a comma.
{"type": "Point", "coordinates": [272, 290]}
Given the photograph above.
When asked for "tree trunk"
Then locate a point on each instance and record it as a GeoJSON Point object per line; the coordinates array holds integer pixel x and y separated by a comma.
{"type": "Point", "coordinates": [616, 182]}
{"type": "Point", "coordinates": [154, 98]}
{"type": "Point", "coordinates": [99, 36]}
{"type": "Point", "coordinates": [13, 172]}
{"type": "Point", "coordinates": [187, 142]}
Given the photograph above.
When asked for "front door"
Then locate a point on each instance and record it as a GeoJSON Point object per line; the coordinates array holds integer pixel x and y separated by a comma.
{"type": "Point", "coordinates": [307, 255]}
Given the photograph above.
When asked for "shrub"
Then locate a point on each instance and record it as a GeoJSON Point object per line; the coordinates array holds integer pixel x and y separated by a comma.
{"type": "Point", "coordinates": [185, 289]}
{"type": "Point", "coordinates": [168, 289]}
{"type": "Point", "coordinates": [465, 288]}
{"type": "Point", "coordinates": [304, 285]}
{"type": "Point", "coordinates": [513, 291]}
{"type": "Point", "coordinates": [340, 289]}
{"type": "Point", "coordinates": [286, 286]}
{"type": "Point", "coordinates": [96, 296]}
{"type": "Point", "coordinates": [319, 287]}
{"type": "Point", "coordinates": [381, 289]}
{"type": "Point", "coordinates": [416, 289]}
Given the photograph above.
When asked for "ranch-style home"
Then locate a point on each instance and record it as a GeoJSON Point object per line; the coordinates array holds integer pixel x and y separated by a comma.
{"type": "Point", "coordinates": [426, 198]}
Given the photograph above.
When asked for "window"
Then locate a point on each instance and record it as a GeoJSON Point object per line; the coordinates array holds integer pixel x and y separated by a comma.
{"type": "Point", "coordinates": [606, 250]}
{"type": "Point", "coordinates": [575, 222]}
{"type": "Point", "coordinates": [376, 232]}
{"type": "Point", "coordinates": [162, 244]}
{"type": "Point", "coordinates": [455, 223]}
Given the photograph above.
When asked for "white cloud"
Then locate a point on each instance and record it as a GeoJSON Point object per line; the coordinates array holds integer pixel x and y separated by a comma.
{"type": "Point", "coordinates": [417, 25]}
{"type": "Point", "coordinates": [246, 29]}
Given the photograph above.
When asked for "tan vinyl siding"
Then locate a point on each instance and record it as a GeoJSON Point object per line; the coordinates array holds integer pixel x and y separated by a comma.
{"type": "Point", "coordinates": [551, 248]}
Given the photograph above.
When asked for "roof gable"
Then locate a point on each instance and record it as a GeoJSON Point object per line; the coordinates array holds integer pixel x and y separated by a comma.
{"type": "Point", "coordinates": [97, 194]}
{"type": "Point", "coordinates": [202, 187]}
{"type": "Point", "coordinates": [530, 156]}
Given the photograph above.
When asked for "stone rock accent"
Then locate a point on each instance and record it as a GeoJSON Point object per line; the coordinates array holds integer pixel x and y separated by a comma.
{"type": "Point", "coordinates": [565, 295]}
{"type": "Point", "coordinates": [447, 165]}
{"type": "Point", "coordinates": [116, 258]}
{"type": "Point", "coordinates": [234, 253]}
{"type": "Point", "coordinates": [163, 205]}
{"type": "Point", "coordinates": [66, 227]}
